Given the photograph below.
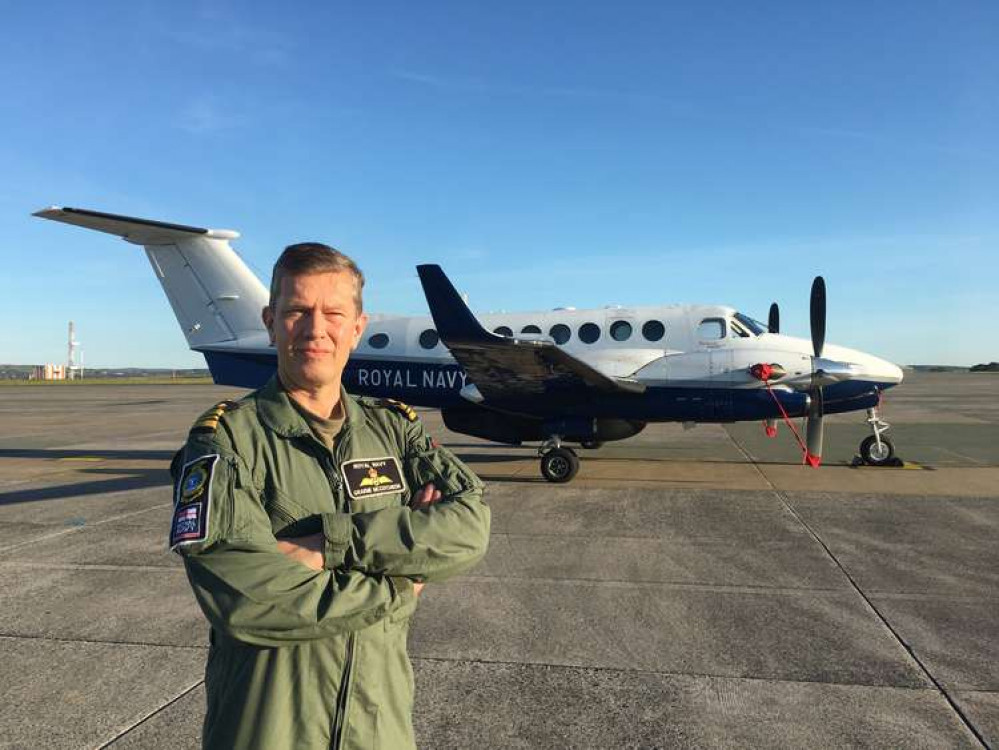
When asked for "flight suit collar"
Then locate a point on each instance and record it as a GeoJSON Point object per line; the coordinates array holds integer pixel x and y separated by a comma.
{"type": "Point", "coordinates": [276, 411]}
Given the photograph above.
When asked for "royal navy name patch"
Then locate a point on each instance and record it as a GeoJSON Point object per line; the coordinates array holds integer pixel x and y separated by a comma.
{"type": "Point", "coordinates": [192, 501]}
{"type": "Point", "coordinates": [369, 477]}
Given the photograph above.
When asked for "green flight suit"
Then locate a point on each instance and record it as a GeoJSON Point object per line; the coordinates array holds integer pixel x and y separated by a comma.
{"type": "Point", "coordinates": [301, 659]}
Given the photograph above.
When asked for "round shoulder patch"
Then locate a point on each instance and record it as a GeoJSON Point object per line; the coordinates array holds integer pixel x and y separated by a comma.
{"type": "Point", "coordinates": [194, 481]}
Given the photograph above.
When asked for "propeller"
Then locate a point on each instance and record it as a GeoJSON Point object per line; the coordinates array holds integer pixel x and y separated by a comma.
{"type": "Point", "coordinates": [773, 319]}
{"type": "Point", "coordinates": [817, 309]}
{"type": "Point", "coordinates": [818, 315]}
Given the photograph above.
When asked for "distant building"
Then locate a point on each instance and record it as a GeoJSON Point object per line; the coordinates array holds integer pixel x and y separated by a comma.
{"type": "Point", "coordinates": [49, 372]}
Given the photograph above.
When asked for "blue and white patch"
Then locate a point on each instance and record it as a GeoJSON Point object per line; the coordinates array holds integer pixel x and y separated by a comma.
{"type": "Point", "coordinates": [192, 501]}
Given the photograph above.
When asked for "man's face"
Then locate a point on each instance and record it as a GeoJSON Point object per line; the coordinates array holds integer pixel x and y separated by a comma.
{"type": "Point", "coordinates": [314, 327]}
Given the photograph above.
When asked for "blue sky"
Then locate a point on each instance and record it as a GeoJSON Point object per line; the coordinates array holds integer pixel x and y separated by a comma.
{"type": "Point", "coordinates": [545, 154]}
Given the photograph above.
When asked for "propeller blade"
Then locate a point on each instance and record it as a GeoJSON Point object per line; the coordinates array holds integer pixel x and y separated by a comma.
{"type": "Point", "coordinates": [813, 430]}
{"type": "Point", "coordinates": [773, 320]}
{"type": "Point", "coordinates": [818, 315]}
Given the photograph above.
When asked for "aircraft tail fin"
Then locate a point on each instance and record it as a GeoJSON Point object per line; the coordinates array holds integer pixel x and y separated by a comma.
{"type": "Point", "coordinates": [455, 322]}
{"type": "Point", "coordinates": [214, 295]}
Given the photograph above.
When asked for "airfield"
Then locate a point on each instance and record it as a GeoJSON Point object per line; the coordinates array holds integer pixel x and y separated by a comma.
{"type": "Point", "coordinates": [690, 589]}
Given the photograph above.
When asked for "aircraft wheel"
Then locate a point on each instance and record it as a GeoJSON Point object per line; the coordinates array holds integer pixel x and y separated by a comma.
{"type": "Point", "coordinates": [874, 455]}
{"type": "Point", "coordinates": [559, 465]}
{"type": "Point", "coordinates": [592, 445]}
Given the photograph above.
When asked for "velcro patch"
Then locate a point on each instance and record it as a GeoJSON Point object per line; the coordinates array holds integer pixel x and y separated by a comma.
{"type": "Point", "coordinates": [369, 477]}
{"type": "Point", "coordinates": [192, 501]}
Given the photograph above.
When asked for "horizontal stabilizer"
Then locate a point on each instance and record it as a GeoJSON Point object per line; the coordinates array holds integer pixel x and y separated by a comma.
{"type": "Point", "coordinates": [139, 231]}
{"type": "Point", "coordinates": [216, 298]}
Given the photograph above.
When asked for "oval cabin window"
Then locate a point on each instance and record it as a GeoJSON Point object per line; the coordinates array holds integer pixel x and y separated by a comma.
{"type": "Point", "coordinates": [429, 339]}
{"type": "Point", "coordinates": [530, 329]}
{"type": "Point", "coordinates": [378, 341]}
{"type": "Point", "coordinates": [620, 330]}
{"type": "Point", "coordinates": [503, 331]}
{"type": "Point", "coordinates": [589, 333]}
{"type": "Point", "coordinates": [653, 330]}
{"type": "Point", "coordinates": [560, 333]}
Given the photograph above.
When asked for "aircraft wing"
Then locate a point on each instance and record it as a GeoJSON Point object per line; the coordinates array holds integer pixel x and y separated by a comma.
{"type": "Point", "coordinates": [510, 369]}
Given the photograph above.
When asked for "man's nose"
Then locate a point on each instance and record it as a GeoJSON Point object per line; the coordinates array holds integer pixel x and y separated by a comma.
{"type": "Point", "coordinates": [316, 325]}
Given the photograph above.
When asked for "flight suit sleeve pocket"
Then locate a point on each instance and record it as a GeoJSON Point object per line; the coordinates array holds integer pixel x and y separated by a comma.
{"type": "Point", "coordinates": [443, 469]}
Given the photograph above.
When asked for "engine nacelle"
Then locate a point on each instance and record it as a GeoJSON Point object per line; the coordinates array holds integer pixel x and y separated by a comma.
{"type": "Point", "coordinates": [511, 429]}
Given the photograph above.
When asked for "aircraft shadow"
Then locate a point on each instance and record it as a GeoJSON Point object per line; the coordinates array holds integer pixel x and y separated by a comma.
{"type": "Point", "coordinates": [133, 479]}
{"type": "Point", "coordinates": [57, 453]}
{"type": "Point", "coordinates": [138, 479]}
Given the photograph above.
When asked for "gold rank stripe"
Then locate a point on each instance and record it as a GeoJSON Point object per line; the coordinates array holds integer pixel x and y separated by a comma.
{"type": "Point", "coordinates": [406, 409]}
{"type": "Point", "coordinates": [210, 419]}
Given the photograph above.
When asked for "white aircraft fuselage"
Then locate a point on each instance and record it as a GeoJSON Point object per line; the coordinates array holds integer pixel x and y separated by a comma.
{"type": "Point", "coordinates": [689, 363]}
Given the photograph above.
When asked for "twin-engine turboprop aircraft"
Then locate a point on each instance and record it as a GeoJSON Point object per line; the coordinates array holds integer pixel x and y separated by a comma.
{"type": "Point", "coordinates": [562, 376]}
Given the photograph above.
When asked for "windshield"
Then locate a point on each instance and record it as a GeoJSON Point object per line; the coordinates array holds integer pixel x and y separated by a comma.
{"type": "Point", "coordinates": [753, 325]}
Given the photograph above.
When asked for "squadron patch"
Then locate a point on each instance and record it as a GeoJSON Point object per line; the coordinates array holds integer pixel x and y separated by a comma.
{"type": "Point", "coordinates": [370, 477]}
{"type": "Point", "coordinates": [191, 502]}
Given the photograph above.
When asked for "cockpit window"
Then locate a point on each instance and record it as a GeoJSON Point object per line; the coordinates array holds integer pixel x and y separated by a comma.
{"type": "Point", "coordinates": [711, 329]}
{"type": "Point", "coordinates": [737, 330]}
{"type": "Point", "coordinates": [755, 326]}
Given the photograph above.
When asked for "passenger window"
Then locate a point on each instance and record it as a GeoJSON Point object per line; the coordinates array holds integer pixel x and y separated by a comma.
{"type": "Point", "coordinates": [620, 330]}
{"type": "Point", "coordinates": [589, 333]}
{"type": "Point", "coordinates": [503, 331]}
{"type": "Point", "coordinates": [530, 329]}
{"type": "Point", "coordinates": [378, 341]}
{"type": "Point", "coordinates": [429, 339]}
{"type": "Point", "coordinates": [560, 333]}
{"type": "Point", "coordinates": [653, 330]}
{"type": "Point", "coordinates": [711, 329]}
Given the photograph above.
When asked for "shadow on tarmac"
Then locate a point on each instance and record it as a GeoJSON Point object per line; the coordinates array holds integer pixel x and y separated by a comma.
{"type": "Point", "coordinates": [134, 478]}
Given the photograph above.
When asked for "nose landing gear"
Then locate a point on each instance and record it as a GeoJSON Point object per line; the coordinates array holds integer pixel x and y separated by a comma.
{"type": "Point", "coordinates": [558, 464]}
{"type": "Point", "coordinates": [876, 449]}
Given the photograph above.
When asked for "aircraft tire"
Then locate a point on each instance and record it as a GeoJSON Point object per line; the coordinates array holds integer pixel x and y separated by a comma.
{"type": "Point", "coordinates": [559, 465]}
{"type": "Point", "coordinates": [591, 445]}
{"type": "Point", "coordinates": [872, 456]}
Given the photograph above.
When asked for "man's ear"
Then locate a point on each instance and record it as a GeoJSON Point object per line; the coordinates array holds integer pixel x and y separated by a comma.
{"type": "Point", "coordinates": [362, 323]}
{"type": "Point", "coordinates": [267, 315]}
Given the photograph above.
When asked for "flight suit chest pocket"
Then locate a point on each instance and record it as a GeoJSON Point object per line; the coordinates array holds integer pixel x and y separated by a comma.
{"type": "Point", "coordinates": [373, 483]}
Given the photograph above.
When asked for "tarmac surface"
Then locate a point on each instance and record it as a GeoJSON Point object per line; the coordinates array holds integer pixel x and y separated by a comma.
{"type": "Point", "coordinates": [690, 589]}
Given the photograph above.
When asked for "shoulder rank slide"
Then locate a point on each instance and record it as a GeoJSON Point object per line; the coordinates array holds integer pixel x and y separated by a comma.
{"type": "Point", "coordinates": [208, 422]}
{"type": "Point", "coordinates": [407, 411]}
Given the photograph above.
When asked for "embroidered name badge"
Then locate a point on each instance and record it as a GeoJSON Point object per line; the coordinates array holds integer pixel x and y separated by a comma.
{"type": "Point", "coordinates": [193, 497]}
{"type": "Point", "coordinates": [369, 477]}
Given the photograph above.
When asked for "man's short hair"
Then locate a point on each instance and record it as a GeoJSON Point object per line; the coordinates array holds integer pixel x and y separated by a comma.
{"type": "Point", "coordinates": [307, 258]}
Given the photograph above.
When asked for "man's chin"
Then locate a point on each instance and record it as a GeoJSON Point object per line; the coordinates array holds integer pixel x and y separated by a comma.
{"type": "Point", "coordinates": [310, 375]}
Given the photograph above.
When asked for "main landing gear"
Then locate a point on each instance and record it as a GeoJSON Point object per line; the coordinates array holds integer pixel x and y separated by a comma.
{"type": "Point", "coordinates": [558, 464]}
{"type": "Point", "coordinates": [876, 449]}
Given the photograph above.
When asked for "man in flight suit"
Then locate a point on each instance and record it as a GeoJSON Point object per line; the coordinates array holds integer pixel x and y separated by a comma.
{"type": "Point", "coordinates": [309, 522]}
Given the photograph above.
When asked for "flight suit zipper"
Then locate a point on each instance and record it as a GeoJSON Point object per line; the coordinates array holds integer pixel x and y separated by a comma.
{"type": "Point", "coordinates": [340, 719]}
{"type": "Point", "coordinates": [329, 463]}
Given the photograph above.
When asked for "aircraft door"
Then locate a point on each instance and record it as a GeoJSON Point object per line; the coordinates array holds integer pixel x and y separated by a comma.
{"type": "Point", "coordinates": [712, 342]}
